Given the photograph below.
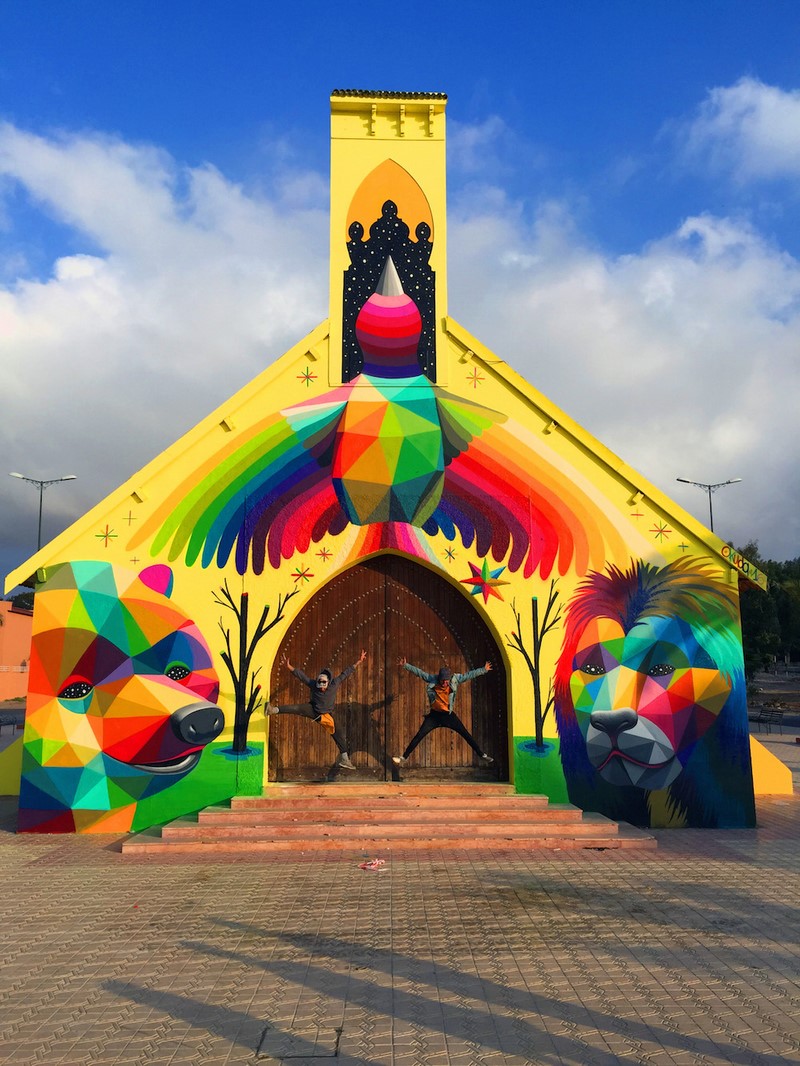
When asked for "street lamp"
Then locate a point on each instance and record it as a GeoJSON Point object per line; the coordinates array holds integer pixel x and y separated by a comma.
{"type": "Point", "coordinates": [709, 489]}
{"type": "Point", "coordinates": [42, 486]}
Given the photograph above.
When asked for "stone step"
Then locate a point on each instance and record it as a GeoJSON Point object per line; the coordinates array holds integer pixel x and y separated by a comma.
{"type": "Point", "coordinates": [186, 829]}
{"type": "Point", "coordinates": [380, 794]}
{"type": "Point", "coordinates": [386, 813]}
{"type": "Point", "coordinates": [150, 845]}
{"type": "Point", "coordinates": [302, 793]}
{"type": "Point", "coordinates": [358, 818]}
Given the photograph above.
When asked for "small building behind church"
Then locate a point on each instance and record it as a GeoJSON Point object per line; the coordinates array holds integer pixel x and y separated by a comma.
{"type": "Point", "coordinates": [15, 650]}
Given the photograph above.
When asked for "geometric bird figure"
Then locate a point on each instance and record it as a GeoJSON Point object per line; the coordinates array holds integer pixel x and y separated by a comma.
{"type": "Point", "coordinates": [389, 452]}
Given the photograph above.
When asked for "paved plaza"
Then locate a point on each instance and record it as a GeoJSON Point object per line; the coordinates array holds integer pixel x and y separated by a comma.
{"type": "Point", "coordinates": [687, 954]}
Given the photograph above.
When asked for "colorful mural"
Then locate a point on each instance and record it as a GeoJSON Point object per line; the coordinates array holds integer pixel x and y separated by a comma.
{"type": "Point", "coordinates": [122, 698]}
{"type": "Point", "coordinates": [388, 453]}
{"type": "Point", "coordinates": [650, 698]}
{"type": "Point", "coordinates": [388, 430]}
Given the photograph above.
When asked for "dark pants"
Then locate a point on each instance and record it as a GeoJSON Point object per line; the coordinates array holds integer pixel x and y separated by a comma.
{"type": "Point", "coordinates": [441, 720]}
{"type": "Point", "coordinates": [305, 710]}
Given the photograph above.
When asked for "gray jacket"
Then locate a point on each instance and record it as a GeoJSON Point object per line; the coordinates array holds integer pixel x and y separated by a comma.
{"type": "Point", "coordinates": [323, 702]}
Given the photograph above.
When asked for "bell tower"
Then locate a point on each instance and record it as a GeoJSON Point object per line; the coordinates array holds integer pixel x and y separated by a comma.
{"type": "Point", "coordinates": [388, 200]}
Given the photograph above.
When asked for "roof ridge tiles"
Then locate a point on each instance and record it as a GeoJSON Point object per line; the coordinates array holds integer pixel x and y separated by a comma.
{"type": "Point", "coordinates": [389, 95]}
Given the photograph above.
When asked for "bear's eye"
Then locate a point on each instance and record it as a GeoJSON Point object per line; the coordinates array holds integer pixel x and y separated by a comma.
{"type": "Point", "coordinates": [177, 671]}
{"type": "Point", "coordinates": [75, 690]}
{"type": "Point", "coordinates": [661, 670]}
{"type": "Point", "coordinates": [595, 669]}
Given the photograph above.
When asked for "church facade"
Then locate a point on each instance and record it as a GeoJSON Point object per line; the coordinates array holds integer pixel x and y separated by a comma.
{"type": "Point", "coordinates": [389, 485]}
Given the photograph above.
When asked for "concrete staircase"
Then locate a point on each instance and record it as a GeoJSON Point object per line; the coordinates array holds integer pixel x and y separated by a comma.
{"type": "Point", "coordinates": [391, 816]}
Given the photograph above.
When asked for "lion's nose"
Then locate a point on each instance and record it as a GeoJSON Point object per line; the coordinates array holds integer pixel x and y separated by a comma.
{"type": "Point", "coordinates": [198, 723]}
{"type": "Point", "coordinates": [613, 722]}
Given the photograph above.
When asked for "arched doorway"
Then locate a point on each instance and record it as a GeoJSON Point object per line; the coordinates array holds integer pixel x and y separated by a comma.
{"type": "Point", "coordinates": [391, 606]}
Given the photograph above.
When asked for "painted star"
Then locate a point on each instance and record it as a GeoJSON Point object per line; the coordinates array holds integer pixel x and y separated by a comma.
{"type": "Point", "coordinates": [484, 581]}
{"type": "Point", "coordinates": [307, 376]}
{"type": "Point", "coordinates": [106, 535]}
{"type": "Point", "coordinates": [302, 575]}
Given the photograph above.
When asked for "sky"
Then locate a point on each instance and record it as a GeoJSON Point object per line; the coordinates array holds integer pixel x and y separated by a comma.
{"type": "Point", "coordinates": [623, 224]}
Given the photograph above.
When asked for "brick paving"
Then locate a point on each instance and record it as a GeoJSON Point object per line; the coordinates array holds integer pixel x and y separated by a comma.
{"type": "Point", "coordinates": [688, 954]}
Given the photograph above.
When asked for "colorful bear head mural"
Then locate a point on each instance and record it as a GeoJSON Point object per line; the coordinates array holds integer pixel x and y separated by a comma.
{"type": "Point", "coordinates": [122, 698]}
{"type": "Point", "coordinates": [650, 701]}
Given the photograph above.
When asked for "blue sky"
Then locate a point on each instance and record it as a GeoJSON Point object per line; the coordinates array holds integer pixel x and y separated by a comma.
{"type": "Point", "coordinates": [623, 187]}
{"type": "Point", "coordinates": [587, 90]}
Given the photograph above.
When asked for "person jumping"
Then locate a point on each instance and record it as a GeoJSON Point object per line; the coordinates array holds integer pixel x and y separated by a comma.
{"type": "Point", "coordinates": [320, 708]}
{"type": "Point", "coordinates": [442, 688]}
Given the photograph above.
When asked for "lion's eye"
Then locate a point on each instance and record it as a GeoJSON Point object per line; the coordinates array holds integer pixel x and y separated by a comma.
{"type": "Point", "coordinates": [661, 670]}
{"type": "Point", "coordinates": [595, 669]}
{"type": "Point", "coordinates": [177, 671]}
{"type": "Point", "coordinates": [75, 690]}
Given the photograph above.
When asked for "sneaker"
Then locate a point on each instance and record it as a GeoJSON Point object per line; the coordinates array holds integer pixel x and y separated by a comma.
{"type": "Point", "coordinates": [272, 708]}
{"type": "Point", "coordinates": [398, 760]}
{"type": "Point", "coordinates": [344, 762]}
{"type": "Point", "coordinates": [486, 758]}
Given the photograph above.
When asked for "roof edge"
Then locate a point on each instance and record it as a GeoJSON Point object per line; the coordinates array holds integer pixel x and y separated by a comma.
{"type": "Point", "coordinates": [385, 94]}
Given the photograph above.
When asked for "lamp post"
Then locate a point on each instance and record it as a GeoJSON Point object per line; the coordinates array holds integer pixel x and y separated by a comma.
{"type": "Point", "coordinates": [709, 489]}
{"type": "Point", "coordinates": [42, 486]}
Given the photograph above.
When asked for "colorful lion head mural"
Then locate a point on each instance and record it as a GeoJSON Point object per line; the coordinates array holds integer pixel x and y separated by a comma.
{"type": "Point", "coordinates": [122, 698]}
{"type": "Point", "coordinates": [650, 698]}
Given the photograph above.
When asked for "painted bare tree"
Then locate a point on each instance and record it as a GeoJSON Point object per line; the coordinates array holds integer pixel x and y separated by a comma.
{"type": "Point", "coordinates": [550, 619]}
{"type": "Point", "coordinates": [247, 692]}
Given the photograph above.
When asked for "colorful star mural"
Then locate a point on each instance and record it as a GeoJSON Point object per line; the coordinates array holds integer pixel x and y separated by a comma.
{"type": "Point", "coordinates": [484, 581]}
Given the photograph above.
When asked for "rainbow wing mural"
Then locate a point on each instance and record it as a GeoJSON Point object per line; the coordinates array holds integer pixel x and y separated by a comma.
{"type": "Point", "coordinates": [390, 451]}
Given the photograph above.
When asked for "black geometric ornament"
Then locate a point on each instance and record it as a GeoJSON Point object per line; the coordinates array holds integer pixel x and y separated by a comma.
{"type": "Point", "coordinates": [388, 236]}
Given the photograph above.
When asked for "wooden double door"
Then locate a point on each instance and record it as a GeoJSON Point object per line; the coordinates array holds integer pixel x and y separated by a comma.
{"type": "Point", "coordinates": [391, 606]}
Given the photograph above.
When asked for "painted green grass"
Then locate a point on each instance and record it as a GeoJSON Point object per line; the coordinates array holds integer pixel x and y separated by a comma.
{"type": "Point", "coordinates": [216, 778]}
{"type": "Point", "coordinates": [539, 774]}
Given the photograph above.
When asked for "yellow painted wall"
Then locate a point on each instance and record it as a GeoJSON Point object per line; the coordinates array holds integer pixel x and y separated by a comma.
{"type": "Point", "coordinates": [11, 767]}
{"type": "Point", "coordinates": [771, 777]}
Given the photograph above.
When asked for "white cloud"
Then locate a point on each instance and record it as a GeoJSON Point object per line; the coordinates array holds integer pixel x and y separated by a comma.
{"type": "Point", "coordinates": [488, 151]}
{"type": "Point", "coordinates": [471, 145]}
{"type": "Point", "coordinates": [681, 358]}
{"type": "Point", "coordinates": [195, 288]}
{"type": "Point", "coordinates": [748, 129]}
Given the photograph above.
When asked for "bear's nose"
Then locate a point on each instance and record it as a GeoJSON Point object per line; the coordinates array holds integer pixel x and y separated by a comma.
{"type": "Point", "coordinates": [198, 723]}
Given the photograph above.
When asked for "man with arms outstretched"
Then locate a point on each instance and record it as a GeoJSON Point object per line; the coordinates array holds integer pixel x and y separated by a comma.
{"type": "Point", "coordinates": [320, 707]}
{"type": "Point", "coordinates": [441, 689]}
